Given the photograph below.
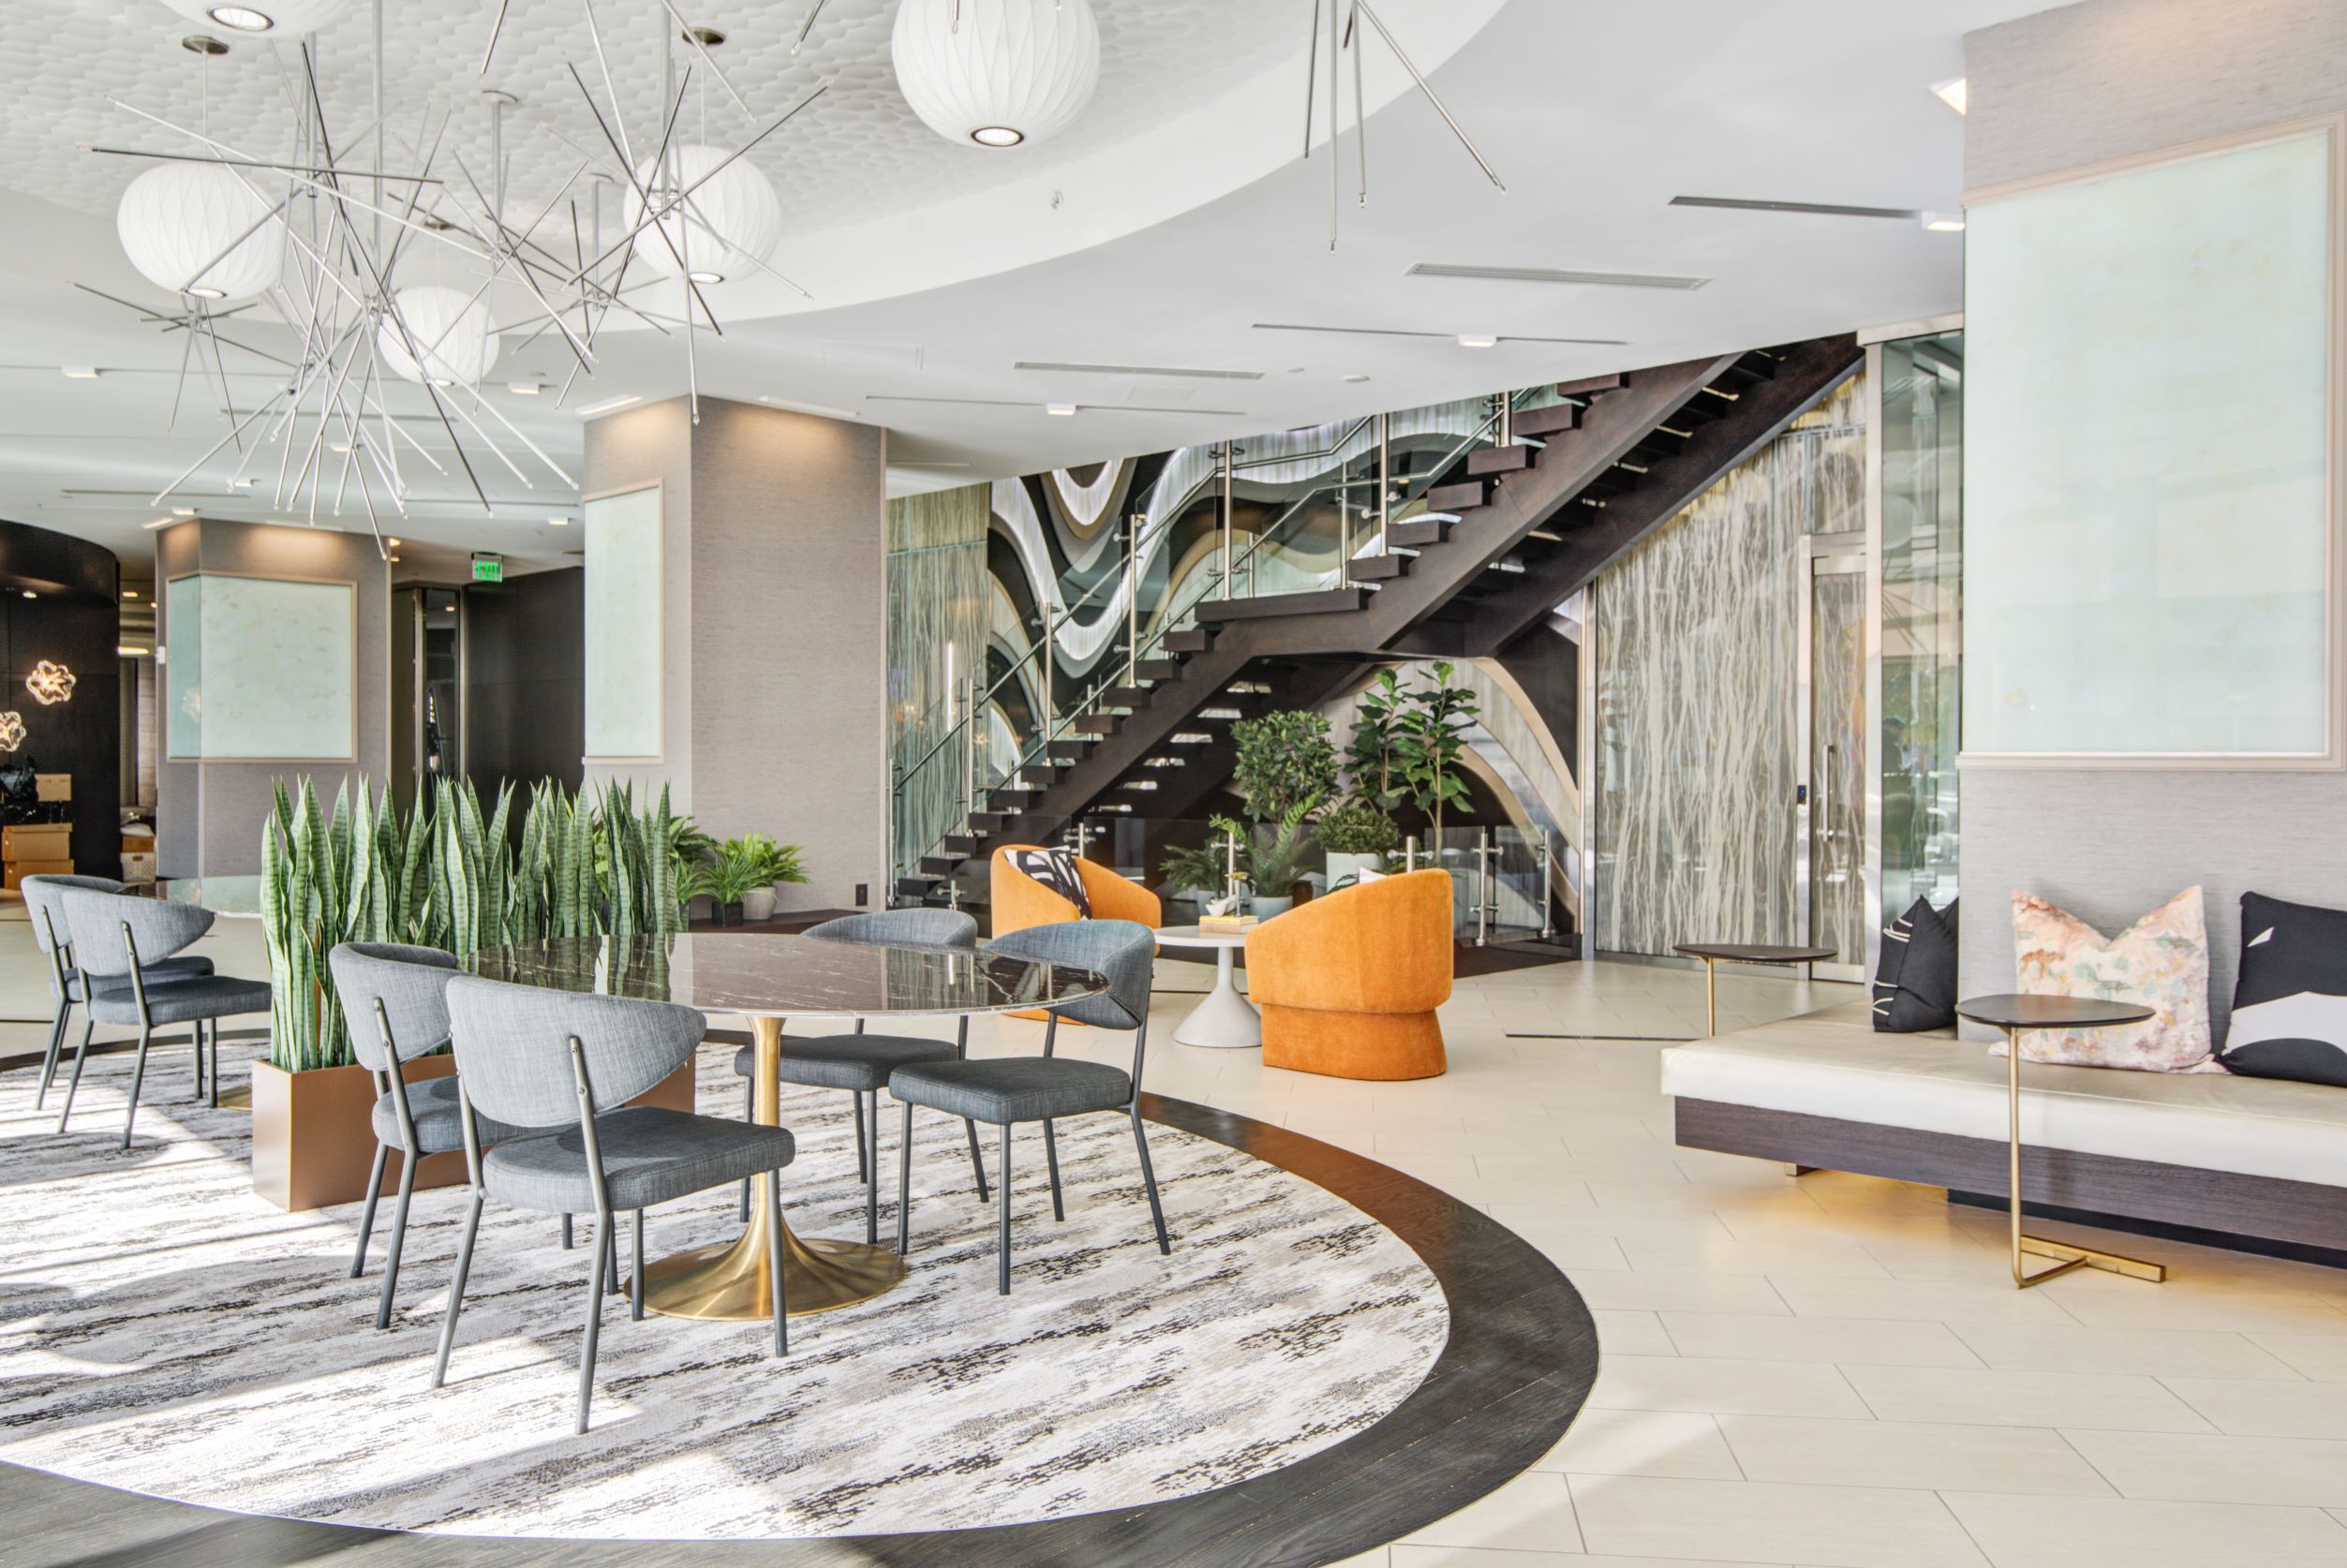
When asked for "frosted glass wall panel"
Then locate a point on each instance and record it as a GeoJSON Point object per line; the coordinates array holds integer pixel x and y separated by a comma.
{"type": "Point", "coordinates": [261, 670]}
{"type": "Point", "coordinates": [2147, 499]}
{"type": "Point", "coordinates": [623, 625]}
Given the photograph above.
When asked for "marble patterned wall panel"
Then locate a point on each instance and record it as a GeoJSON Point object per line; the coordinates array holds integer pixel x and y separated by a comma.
{"type": "Point", "coordinates": [939, 597]}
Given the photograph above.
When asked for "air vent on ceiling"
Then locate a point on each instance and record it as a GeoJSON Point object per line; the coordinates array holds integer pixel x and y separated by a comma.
{"type": "Point", "coordinates": [1556, 275]}
{"type": "Point", "coordinates": [1140, 369]}
{"type": "Point", "coordinates": [1817, 209]}
{"type": "Point", "coordinates": [1448, 337]}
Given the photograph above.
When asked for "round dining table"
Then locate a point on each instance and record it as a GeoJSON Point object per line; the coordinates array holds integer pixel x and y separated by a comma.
{"type": "Point", "coordinates": [765, 978]}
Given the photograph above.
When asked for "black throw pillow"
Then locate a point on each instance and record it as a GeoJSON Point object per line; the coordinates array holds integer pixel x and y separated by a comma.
{"type": "Point", "coordinates": [1915, 982]}
{"type": "Point", "coordinates": [1056, 869]}
{"type": "Point", "coordinates": [2290, 1005]}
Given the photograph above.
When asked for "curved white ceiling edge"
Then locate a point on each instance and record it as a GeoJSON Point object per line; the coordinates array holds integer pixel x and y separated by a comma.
{"type": "Point", "coordinates": [1218, 147]}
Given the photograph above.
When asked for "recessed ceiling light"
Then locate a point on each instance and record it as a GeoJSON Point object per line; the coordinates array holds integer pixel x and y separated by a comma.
{"type": "Point", "coordinates": [1153, 370]}
{"type": "Point", "coordinates": [1943, 223]}
{"type": "Point", "coordinates": [1477, 340]}
{"type": "Point", "coordinates": [608, 405]}
{"type": "Point", "coordinates": [79, 373]}
{"type": "Point", "coordinates": [242, 18]}
{"type": "Point", "coordinates": [558, 522]}
{"type": "Point", "coordinates": [1954, 93]}
{"type": "Point", "coordinates": [183, 512]}
{"type": "Point", "coordinates": [205, 291]}
{"type": "Point", "coordinates": [124, 650]}
{"type": "Point", "coordinates": [394, 560]}
{"type": "Point", "coordinates": [392, 542]}
{"type": "Point", "coordinates": [240, 484]}
{"type": "Point", "coordinates": [130, 593]}
{"type": "Point", "coordinates": [1356, 379]}
{"type": "Point", "coordinates": [523, 388]}
{"type": "Point", "coordinates": [1555, 275]}
{"type": "Point", "coordinates": [30, 594]}
{"type": "Point", "coordinates": [1059, 410]}
{"type": "Point", "coordinates": [997, 136]}
{"type": "Point", "coordinates": [706, 277]}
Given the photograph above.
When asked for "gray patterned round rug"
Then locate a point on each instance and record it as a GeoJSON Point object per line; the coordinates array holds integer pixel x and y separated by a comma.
{"type": "Point", "coordinates": [166, 1331]}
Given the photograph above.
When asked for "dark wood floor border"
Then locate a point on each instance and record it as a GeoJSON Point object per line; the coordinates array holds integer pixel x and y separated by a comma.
{"type": "Point", "coordinates": [1518, 1366]}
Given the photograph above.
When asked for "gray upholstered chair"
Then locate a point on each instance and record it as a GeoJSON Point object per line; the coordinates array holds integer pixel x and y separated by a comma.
{"type": "Point", "coordinates": [44, 902]}
{"type": "Point", "coordinates": [861, 1062]}
{"type": "Point", "coordinates": [565, 1066]}
{"type": "Point", "coordinates": [115, 938]}
{"type": "Point", "coordinates": [395, 1004]}
{"type": "Point", "coordinates": [1003, 1091]}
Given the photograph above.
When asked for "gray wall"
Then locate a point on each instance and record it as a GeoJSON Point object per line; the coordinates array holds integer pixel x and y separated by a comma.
{"type": "Point", "coordinates": [2090, 82]}
{"type": "Point", "coordinates": [774, 626]}
{"type": "Point", "coordinates": [209, 815]}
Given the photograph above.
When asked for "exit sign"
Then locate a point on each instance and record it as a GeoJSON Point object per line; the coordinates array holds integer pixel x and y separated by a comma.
{"type": "Point", "coordinates": [488, 568]}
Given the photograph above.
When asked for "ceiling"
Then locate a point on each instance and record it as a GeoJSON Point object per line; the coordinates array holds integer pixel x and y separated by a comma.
{"type": "Point", "coordinates": [1162, 232]}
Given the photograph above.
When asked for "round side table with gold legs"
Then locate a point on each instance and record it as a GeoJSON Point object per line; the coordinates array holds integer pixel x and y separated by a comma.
{"type": "Point", "coordinates": [2015, 1015]}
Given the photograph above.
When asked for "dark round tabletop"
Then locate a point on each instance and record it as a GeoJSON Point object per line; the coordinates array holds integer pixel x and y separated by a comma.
{"type": "Point", "coordinates": [1754, 952]}
{"type": "Point", "coordinates": [2009, 1012]}
{"type": "Point", "coordinates": [767, 974]}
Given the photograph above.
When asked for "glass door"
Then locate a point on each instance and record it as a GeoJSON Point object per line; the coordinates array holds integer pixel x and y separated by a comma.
{"type": "Point", "coordinates": [1830, 795]}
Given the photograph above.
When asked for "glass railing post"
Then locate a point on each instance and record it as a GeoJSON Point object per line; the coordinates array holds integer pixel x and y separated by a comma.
{"type": "Point", "coordinates": [1228, 457]}
{"type": "Point", "coordinates": [1548, 888]}
{"type": "Point", "coordinates": [1133, 600]}
{"type": "Point", "coordinates": [970, 745]}
{"type": "Point", "coordinates": [1484, 902]}
{"type": "Point", "coordinates": [1385, 479]}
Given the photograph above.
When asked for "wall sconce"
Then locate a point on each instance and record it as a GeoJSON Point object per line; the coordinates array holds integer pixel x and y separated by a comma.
{"type": "Point", "coordinates": [49, 684]}
{"type": "Point", "coordinates": [11, 731]}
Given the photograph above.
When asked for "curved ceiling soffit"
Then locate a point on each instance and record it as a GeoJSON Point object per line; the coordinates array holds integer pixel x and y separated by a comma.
{"type": "Point", "coordinates": [1208, 150]}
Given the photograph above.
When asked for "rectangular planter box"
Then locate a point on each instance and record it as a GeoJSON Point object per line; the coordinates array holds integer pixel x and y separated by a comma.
{"type": "Point", "coordinates": [313, 1138]}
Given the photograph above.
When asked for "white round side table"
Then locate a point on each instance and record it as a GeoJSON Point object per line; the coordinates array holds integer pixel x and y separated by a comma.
{"type": "Point", "coordinates": [1225, 1018]}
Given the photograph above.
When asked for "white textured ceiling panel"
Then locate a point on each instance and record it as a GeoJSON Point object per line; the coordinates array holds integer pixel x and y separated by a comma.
{"type": "Point", "coordinates": [859, 153]}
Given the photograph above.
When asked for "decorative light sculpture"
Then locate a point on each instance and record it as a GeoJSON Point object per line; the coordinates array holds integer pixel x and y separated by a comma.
{"type": "Point", "coordinates": [50, 683]}
{"type": "Point", "coordinates": [449, 327]}
{"type": "Point", "coordinates": [997, 73]}
{"type": "Point", "coordinates": [268, 19]}
{"type": "Point", "coordinates": [180, 224]}
{"type": "Point", "coordinates": [11, 730]}
{"type": "Point", "coordinates": [731, 219]}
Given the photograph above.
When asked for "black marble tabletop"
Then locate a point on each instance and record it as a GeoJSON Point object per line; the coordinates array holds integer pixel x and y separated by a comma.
{"type": "Point", "coordinates": [2011, 1011]}
{"type": "Point", "coordinates": [1754, 952]}
{"type": "Point", "coordinates": [768, 974]}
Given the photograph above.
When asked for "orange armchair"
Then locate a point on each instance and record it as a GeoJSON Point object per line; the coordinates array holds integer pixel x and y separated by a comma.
{"type": "Point", "coordinates": [1021, 901]}
{"type": "Point", "coordinates": [1348, 983]}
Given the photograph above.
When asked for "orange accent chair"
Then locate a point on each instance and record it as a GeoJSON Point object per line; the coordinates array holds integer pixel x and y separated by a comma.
{"type": "Point", "coordinates": [1348, 983]}
{"type": "Point", "coordinates": [1021, 901]}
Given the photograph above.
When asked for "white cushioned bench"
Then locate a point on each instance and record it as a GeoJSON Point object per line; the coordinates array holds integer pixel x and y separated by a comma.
{"type": "Point", "coordinates": [2256, 1156]}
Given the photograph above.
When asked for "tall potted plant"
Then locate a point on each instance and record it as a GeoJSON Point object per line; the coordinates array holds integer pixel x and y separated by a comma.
{"type": "Point", "coordinates": [1286, 770]}
{"type": "Point", "coordinates": [1357, 836]}
{"type": "Point", "coordinates": [1429, 741]}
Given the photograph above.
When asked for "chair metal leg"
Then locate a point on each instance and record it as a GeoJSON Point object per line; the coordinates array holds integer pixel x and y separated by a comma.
{"type": "Point", "coordinates": [774, 1266]}
{"type": "Point", "coordinates": [1003, 1224]}
{"type": "Point", "coordinates": [635, 1272]}
{"type": "Point", "coordinates": [904, 1183]}
{"type": "Point", "coordinates": [81, 1055]}
{"type": "Point", "coordinates": [55, 1051]}
{"type": "Point", "coordinates": [456, 1289]}
{"type": "Point", "coordinates": [214, 1032]}
{"type": "Point", "coordinates": [609, 1228]}
{"type": "Point", "coordinates": [605, 1260]}
{"type": "Point", "coordinates": [1149, 1180]}
{"type": "Point", "coordinates": [977, 1162]}
{"type": "Point", "coordinates": [1051, 1158]}
{"type": "Point", "coordinates": [138, 1076]}
{"type": "Point", "coordinates": [863, 1152]}
{"type": "Point", "coordinates": [871, 1184]}
{"type": "Point", "coordinates": [194, 1038]}
{"type": "Point", "coordinates": [367, 1215]}
{"type": "Point", "coordinates": [749, 1113]}
{"type": "Point", "coordinates": [566, 1233]}
{"type": "Point", "coordinates": [408, 1163]}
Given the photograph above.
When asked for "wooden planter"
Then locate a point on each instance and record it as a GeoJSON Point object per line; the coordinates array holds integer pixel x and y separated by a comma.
{"type": "Point", "coordinates": [313, 1138]}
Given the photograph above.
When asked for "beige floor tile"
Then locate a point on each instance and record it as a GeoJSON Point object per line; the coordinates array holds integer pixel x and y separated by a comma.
{"type": "Point", "coordinates": [1835, 1527]}
{"type": "Point", "coordinates": [1643, 1442]}
{"type": "Point", "coordinates": [2139, 1305]}
{"type": "Point", "coordinates": [1632, 1334]}
{"type": "Point", "coordinates": [1484, 1557]}
{"type": "Point", "coordinates": [2187, 1467]}
{"type": "Point", "coordinates": [2030, 1347]}
{"type": "Point", "coordinates": [2320, 1357]}
{"type": "Point", "coordinates": [1996, 1398]}
{"type": "Point", "coordinates": [1721, 1385]}
{"type": "Point", "coordinates": [1848, 1342]}
{"type": "Point", "coordinates": [1381, 1558]}
{"type": "Point", "coordinates": [2083, 1532]}
{"type": "Point", "coordinates": [1637, 1291]}
{"type": "Point", "coordinates": [1930, 1457]}
{"type": "Point", "coordinates": [1532, 1513]}
{"type": "Point", "coordinates": [1993, 1300]}
{"type": "Point", "coordinates": [1824, 1258]}
{"type": "Point", "coordinates": [2245, 1409]}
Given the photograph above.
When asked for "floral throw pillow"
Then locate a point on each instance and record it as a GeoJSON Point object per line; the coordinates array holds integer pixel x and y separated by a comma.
{"type": "Point", "coordinates": [2160, 962]}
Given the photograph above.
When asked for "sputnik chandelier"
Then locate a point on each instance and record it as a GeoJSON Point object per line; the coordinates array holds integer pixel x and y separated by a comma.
{"type": "Point", "coordinates": [390, 259]}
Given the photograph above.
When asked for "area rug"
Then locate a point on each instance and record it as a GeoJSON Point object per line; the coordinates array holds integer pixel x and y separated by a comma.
{"type": "Point", "coordinates": [164, 1330]}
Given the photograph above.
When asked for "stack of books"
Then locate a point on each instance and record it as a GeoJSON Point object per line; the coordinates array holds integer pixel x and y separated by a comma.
{"type": "Point", "coordinates": [1226, 922]}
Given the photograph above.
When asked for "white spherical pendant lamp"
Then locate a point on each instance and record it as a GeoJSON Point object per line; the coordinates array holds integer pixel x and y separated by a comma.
{"type": "Point", "coordinates": [263, 19]}
{"type": "Point", "coordinates": [180, 224]}
{"type": "Point", "coordinates": [997, 73]}
{"type": "Point", "coordinates": [450, 330]}
{"type": "Point", "coordinates": [729, 224]}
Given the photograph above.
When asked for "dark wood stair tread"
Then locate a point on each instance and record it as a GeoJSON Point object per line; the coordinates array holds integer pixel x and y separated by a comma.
{"type": "Point", "coordinates": [1377, 568]}
{"type": "Point", "coordinates": [1323, 602]}
{"type": "Point", "coordinates": [1501, 460]}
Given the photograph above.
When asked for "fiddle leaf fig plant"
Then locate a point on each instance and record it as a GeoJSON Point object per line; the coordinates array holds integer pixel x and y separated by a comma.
{"type": "Point", "coordinates": [1429, 741]}
{"type": "Point", "coordinates": [1370, 754]}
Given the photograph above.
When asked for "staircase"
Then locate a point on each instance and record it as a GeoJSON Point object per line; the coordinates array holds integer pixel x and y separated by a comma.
{"type": "Point", "coordinates": [1510, 531]}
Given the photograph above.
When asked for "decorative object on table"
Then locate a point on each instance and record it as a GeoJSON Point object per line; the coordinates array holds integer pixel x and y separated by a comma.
{"type": "Point", "coordinates": [2290, 1002]}
{"type": "Point", "coordinates": [51, 683]}
{"type": "Point", "coordinates": [45, 910]}
{"type": "Point", "coordinates": [996, 73]}
{"type": "Point", "coordinates": [1348, 983]}
{"type": "Point", "coordinates": [1713, 955]}
{"type": "Point", "coordinates": [1357, 837]}
{"type": "Point", "coordinates": [1021, 901]}
{"type": "Point", "coordinates": [1915, 981]}
{"type": "Point", "coordinates": [1003, 1091]}
{"type": "Point", "coordinates": [861, 1062]}
{"type": "Point", "coordinates": [2161, 961]}
{"type": "Point", "coordinates": [1223, 1018]}
{"type": "Point", "coordinates": [1284, 771]}
{"type": "Point", "coordinates": [2017, 1016]}
{"type": "Point", "coordinates": [115, 938]}
{"type": "Point", "coordinates": [570, 1065]}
